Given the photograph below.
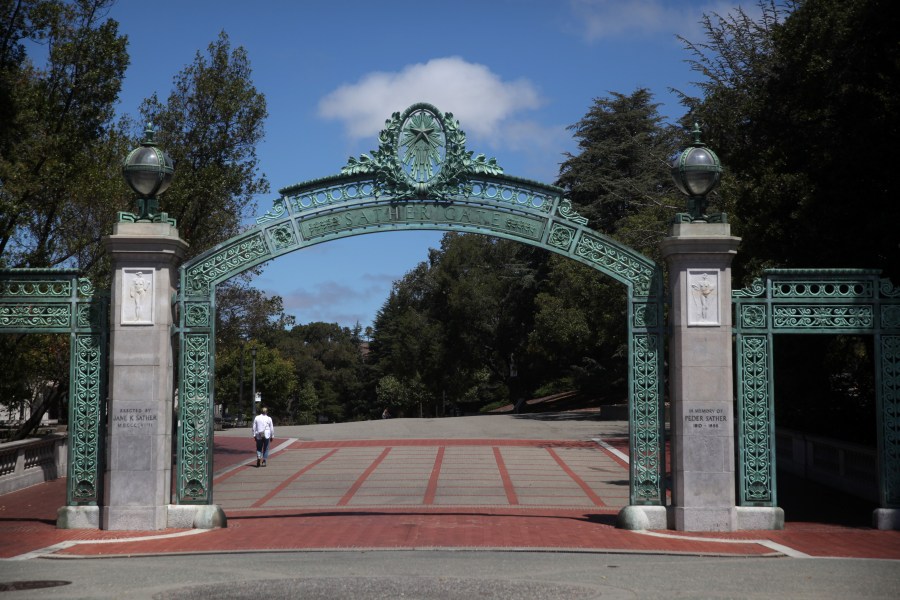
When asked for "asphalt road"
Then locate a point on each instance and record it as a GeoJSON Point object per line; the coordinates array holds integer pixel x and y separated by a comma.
{"type": "Point", "coordinates": [450, 575]}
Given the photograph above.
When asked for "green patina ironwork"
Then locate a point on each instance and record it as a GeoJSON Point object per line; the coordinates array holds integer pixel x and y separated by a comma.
{"type": "Point", "coordinates": [421, 177]}
{"type": "Point", "coordinates": [802, 301]}
{"type": "Point", "coordinates": [59, 301]}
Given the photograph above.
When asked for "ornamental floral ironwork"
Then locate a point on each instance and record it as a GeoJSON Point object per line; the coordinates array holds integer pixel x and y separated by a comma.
{"type": "Point", "coordinates": [755, 443]}
{"type": "Point", "coordinates": [195, 435]}
{"type": "Point", "coordinates": [646, 439]}
{"type": "Point", "coordinates": [618, 262]}
{"type": "Point", "coordinates": [800, 301]}
{"type": "Point", "coordinates": [59, 301]}
{"type": "Point", "coordinates": [890, 418]}
{"type": "Point", "coordinates": [422, 153]}
{"type": "Point", "coordinates": [229, 259]}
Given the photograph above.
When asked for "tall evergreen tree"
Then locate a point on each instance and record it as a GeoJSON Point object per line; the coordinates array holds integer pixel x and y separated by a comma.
{"type": "Point", "coordinates": [211, 124]}
{"type": "Point", "coordinates": [620, 179]}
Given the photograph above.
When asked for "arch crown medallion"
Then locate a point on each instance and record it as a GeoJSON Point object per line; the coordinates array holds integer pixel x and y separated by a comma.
{"type": "Point", "coordinates": [422, 154]}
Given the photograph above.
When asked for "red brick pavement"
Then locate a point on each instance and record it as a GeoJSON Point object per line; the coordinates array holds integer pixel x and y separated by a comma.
{"type": "Point", "coordinates": [27, 523]}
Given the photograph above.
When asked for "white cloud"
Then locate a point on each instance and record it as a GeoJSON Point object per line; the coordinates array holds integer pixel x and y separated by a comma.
{"type": "Point", "coordinates": [608, 19]}
{"type": "Point", "coordinates": [479, 98]}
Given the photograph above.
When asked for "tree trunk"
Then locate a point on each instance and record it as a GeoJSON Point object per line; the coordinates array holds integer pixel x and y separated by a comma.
{"type": "Point", "coordinates": [34, 420]}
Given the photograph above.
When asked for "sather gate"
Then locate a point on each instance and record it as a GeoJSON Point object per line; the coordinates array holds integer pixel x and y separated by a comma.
{"type": "Point", "coordinates": [421, 177]}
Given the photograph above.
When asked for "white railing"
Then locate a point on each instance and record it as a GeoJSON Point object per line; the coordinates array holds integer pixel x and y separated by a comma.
{"type": "Point", "coordinates": [29, 462]}
{"type": "Point", "coordinates": [850, 468]}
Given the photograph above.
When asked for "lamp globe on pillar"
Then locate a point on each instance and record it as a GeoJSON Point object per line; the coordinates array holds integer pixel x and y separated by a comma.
{"type": "Point", "coordinates": [696, 172]}
{"type": "Point", "coordinates": [148, 171]}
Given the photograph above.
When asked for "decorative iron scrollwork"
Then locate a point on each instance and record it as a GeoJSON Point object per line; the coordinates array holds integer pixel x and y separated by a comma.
{"type": "Point", "coordinates": [890, 420]}
{"type": "Point", "coordinates": [615, 260]}
{"type": "Point", "coordinates": [422, 154]}
{"type": "Point", "coordinates": [194, 485]}
{"type": "Point", "coordinates": [646, 425]}
{"type": "Point", "coordinates": [561, 236]}
{"type": "Point", "coordinates": [755, 414]}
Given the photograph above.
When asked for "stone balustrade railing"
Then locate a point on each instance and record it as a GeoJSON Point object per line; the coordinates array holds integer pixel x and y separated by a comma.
{"type": "Point", "coordinates": [847, 467]}
{"type": "Point", "coordinates": [29, 462]}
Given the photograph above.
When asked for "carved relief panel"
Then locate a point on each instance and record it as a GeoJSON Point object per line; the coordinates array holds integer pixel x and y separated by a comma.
{"type": "Point", "coordinates": [137, 297]}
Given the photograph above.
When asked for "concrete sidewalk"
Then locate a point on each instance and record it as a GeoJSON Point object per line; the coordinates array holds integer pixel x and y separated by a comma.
{"type": "Point", "coordinates": [409, 492]}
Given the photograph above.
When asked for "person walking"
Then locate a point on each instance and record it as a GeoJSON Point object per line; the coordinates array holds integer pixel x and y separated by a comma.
{"type": "Point", "coordinates": [263, 433]}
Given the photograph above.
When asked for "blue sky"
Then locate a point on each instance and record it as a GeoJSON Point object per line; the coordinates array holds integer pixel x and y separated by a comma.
{"type": "Point", "coordinates": [515, 73]}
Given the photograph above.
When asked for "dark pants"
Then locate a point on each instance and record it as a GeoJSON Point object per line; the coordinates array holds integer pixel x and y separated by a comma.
{"type": "Point", "coordinates": [262, 447]}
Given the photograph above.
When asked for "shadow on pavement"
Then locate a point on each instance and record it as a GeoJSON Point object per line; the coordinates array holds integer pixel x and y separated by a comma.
{"type": "Point", "coordinates": [561, 416]}
{"type": "Point", "coordinates": [806, 501]}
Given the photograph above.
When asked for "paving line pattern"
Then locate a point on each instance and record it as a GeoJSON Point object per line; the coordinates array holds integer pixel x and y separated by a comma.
{"type": "Point", "coordinates": [484, 493]}
{"type": "Point", "coordinates": [430, 473]}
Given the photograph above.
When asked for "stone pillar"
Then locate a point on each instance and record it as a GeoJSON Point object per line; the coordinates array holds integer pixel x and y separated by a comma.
{"type": "Point", "coordinates": [137, 491]}
{"type": "Point", "coordinates": [700, 376]}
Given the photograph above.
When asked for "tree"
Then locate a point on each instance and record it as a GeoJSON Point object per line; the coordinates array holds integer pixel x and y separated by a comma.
{"type": "Point", "coordinates": [38, 380]}
{"type": "Point", "coordinates": [620, 179]}
{"type": "Point", "coordinates": [60, 152]}
{"type": "Point", "coordinates": [273, 380]}
{"type": "Point", "coordinates": [210, 125]}
{"type": "Point", "coordinates": [59, 148]}
{"type": "Point", "coordinates": [328, 357]}
{"type": "Point", "coordinates": [449, 327]}
{"type": "Point", "coordinates": [245, 313]}
{"type": "Point", "coordinates": [308, 401]}
{"type": "Point", "coordinates": [798, 105]}
{"type": "Point", "coordinates": [580, 335]}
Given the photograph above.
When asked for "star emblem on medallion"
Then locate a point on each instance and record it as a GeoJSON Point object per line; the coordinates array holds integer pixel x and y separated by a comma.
{"type": "Point", "coordinates": [421, 141]}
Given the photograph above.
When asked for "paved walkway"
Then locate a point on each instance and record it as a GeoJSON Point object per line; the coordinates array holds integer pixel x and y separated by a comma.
{"type": "Point", "coordinates": [411, 493]}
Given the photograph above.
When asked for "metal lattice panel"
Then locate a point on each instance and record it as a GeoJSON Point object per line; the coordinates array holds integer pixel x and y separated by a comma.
{"type": "Point", "coordinates": [58, 301]}
{"type": "Point", "coordinates": [647, 426]}
{"type": "Point", "coordinates": [805, 301]}
{"type": "Point", "coordinates": [889, 427]}
{"type": "Point", "coordinates": [756, 481]}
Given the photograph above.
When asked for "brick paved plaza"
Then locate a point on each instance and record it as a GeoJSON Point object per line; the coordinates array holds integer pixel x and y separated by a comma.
{"type": "Point", "coordinates": [406, 492]}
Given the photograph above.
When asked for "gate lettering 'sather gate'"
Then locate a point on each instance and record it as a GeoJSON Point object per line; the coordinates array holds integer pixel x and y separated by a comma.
{"type": "Point", "coordinates": [421, 177]}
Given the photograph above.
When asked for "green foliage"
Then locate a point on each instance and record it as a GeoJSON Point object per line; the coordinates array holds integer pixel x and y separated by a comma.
{"type": "Point", "coordinates": [620, 179]}
{"type": "Point", "coordinates": [801, 105]}
{"type": "Point", "coordinates": [210, 125]}
{"type": "Point", "coordinates": [60, 150]}
{"type": "Point", "coordinates": [307, 403]}
{"type": "Point", "coordinates": [273, 380]}
{"type": "Point", "coordinates": [451, 325]}
{"type": "Point", "coordinates": [327, 357]}
{"type": "Point", "coordinates": [580, 331]}
{"type": "Point", "coordinates": [35, 378]}
{"type": "Point", "coordinates": [246, 313]}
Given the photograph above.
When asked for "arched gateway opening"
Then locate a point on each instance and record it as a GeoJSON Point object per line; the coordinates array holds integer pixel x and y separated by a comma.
{"type": "Point", "coordinates": [421, 177]}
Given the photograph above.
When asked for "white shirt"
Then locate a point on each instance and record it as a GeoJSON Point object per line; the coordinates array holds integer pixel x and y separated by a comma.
{"type": "Point", "coordinates": [263, 424]}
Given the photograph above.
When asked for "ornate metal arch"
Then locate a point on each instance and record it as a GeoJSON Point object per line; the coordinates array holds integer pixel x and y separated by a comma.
{"type": "Point", "coordinates": [59, 301]}
{"type": "Point", "coordinates": [814, 301]}
{"type": "Point", "coordinates": [421, 177]}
